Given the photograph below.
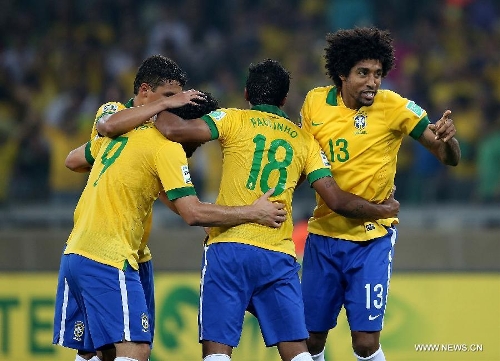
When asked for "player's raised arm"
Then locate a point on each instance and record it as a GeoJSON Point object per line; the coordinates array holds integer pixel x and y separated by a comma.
{"type": "Point", "coordinates": [176, 129]}
{"type": "Point", "coordinates": [127, 119]}
{"type": "Point", "coordinates": [439, 139]}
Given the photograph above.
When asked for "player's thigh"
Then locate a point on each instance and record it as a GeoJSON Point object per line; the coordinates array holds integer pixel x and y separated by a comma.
{"type": "Point", "coordinates": [277, 301]}
{"type": "Point", "coordinates": [114, 302]}
{"type": "Point", "coordinates": [147, 281]}
{"type": "Point", "coordinates": [224, 293]}
{"type": "Point", "coordinates": [368, 283]}
{"type": "Point", "coordinates": [70, 323]}
{"type": "Point", "coordinates": [322, 282]}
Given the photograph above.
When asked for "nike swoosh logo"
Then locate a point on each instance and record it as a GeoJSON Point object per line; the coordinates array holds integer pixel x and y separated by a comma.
{"type": "Point", "coordinates": [371, 318]}
{"type": "Point", "coordinates": [315, 124]}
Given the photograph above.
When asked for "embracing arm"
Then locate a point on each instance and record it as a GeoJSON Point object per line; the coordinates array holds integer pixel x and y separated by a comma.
{"type": "Point", "coordinates": [164, 199]}
{"type": "Point", "coordinates": [127, 119]}
{"type": "Point", "coordinates": [262, 211]}
{"type": "Point", "coordinates": [352, 206]}
{"type": "Point", "coordinates": [179, 130]}
{"type": "Point", "coordinates": [76, 160]}
{"type": "Point", "coordinates": [440, 140]}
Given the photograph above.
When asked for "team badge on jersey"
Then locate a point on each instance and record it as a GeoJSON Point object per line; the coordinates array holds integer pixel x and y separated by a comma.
{"type": "Point", "coordinates": [217, 115]}
{"type": "Point", "coordinates": [145, 322]}
{"type": "Point", "coordinates": [360, 122]}
{"type": "Point", "coordinates": [110, 108]}
{"type": "Point", "coordinates": [414, 108]}
{"type": "Point", "coordinates": [185, 174]}
{"type": "Point", "coordinates": [78, 330]}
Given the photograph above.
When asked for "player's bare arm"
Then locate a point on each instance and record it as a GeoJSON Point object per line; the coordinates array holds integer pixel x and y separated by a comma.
{"type": "Point", "coordinates": [127, 119]}
{"type": "Point", "coordinates": [352, 206]}
{"type": "Point", "coordinates": [164, 199]}
{"type": "Point", "coordinates": [439, 139]}
{"type": "Point", "coordinates": [179, 130]}
{"type": "Point", "coordinates": [262, 211]}
{"type": "Point", "coordinates": [76, 160]}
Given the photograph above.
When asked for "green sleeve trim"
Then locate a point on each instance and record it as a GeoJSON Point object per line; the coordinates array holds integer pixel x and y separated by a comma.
{"type": "Point", "coordinates": [317, 174]}
{"type": "Point", "coordinates": [214, 132]}
{"type": "Point", "coordinates": [180, 192]}
{"type": "Point", "coordinates": [420, 127]}
{"type": "Point", "coordinates": [88, 154]}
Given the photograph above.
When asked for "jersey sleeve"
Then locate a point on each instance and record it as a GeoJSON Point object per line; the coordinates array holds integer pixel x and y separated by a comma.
{"type": "Point", "coordinates": [224, 124]}
{"type": "Point", "coordinates": [105, 109]}
{"type": "Point", "coordinates": [173, 170]}
{"type": "Point", "coordinates": [405, 115]}
{"type": "Point", "coordinates": [317, 165]}
{"type": "Point", "coordinates": [92, 148]}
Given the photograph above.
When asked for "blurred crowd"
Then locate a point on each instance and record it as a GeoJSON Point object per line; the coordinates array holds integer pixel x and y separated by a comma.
{"type": "Point", "coordinates": [60, 60]}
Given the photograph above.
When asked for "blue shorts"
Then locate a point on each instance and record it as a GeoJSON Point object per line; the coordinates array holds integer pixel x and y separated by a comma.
{"type": "Point", "coordinates": [355, 275]}
{"type": "Point", "coordinates": [102, 301]}
{"type": "Point", "coordinates": [238, 277]}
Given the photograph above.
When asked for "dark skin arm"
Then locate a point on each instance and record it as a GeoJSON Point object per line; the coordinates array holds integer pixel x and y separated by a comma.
{"type": "Point", "coordinates": [127, 119]}
{"type": "Point", "coordinates": [352, 206]}
{"type": "Point", "coordinates": [262, 211]}
{"type": "Point", "coordinates": [440, 140]}
{"type": "Point", "coordinates": [178, 130]}
{"type": "Point", "coordinates": [76, 160]}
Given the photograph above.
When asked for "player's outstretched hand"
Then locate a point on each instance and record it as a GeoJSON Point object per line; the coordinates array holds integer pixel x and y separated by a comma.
{"type": "Point", "coordinates": [267, 213]}
{"type": "Point", "coordinates": [391, 205]}
{"type": "Point", "coordinates": [444, 129]}
{"type": "Point", "coordinates": [183, 98]}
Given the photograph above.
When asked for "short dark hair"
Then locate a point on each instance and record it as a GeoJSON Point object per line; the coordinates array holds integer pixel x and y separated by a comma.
{"type": "Point", "coordinates": [346, 47]}
{"type": "Point", "coordinates": [156, 71]}
{"type": "Point", "coordinates": [268, 82]}
{"type": "Point", "coordinates": [191, 111]}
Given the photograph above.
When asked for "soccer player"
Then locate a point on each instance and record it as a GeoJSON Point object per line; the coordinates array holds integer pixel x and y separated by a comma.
{"type": "Point", "coordinates": [100, 263]}
{"type": "Point", "coordinates": [155, 70]}
{"type": "Point", "coordinates": [250, 267]}
{"type": "Point", "coordinates": [348, 262]}
{"type": "Point", "coordinates": [71, 310]}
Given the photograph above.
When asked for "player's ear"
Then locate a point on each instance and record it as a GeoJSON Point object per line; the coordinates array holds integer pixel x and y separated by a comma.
{"type": "Point", "coordinates": [143, 89]}
{"type": "Point", "coordinates": [246, 94]}
{"type": "Point", "coordinates": [283, 102]}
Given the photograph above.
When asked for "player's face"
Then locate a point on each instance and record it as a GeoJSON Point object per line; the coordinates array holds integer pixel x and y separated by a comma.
{"type": "Point", "coordinates": [362, 83]}
{"type": "Point", "coordinates": [166, 90]}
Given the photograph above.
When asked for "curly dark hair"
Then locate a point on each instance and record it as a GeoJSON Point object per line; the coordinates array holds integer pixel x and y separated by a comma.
{"type": "Point", "coordinates": [190, 111]}
{"type": "Point", "coordinates": [156, 71]}
{"type": "Point", "coordinates": [268, 82]}
{"type": "Point", "coordinates": [345, 48]}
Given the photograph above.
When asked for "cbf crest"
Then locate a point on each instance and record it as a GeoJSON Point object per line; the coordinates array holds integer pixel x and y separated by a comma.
{"type": "Point", "coordinates": [78, 331]}
{"type": "Point", "coordinates": [360, 122]}
{"type": "Point", "coordinates": [145, 322]}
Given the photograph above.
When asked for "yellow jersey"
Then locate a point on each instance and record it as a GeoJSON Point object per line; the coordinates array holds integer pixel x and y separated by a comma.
{"type": "Point", "coordinates": [262, 149]}
{"type": "Point", "coordinates": [127, 174]}
{"type": "Point", "coordinates": [362, 147]}
{"type": "Point", "coordinates": [109, 109]}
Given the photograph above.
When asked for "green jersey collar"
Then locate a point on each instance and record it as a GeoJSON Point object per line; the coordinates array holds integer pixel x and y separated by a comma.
{"type": "Point", "coordinates": [270, 109]}
{"type": "Point", "coordinates": [130, 103]}
{"type": "Point", "coordinates": [331, 98]}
